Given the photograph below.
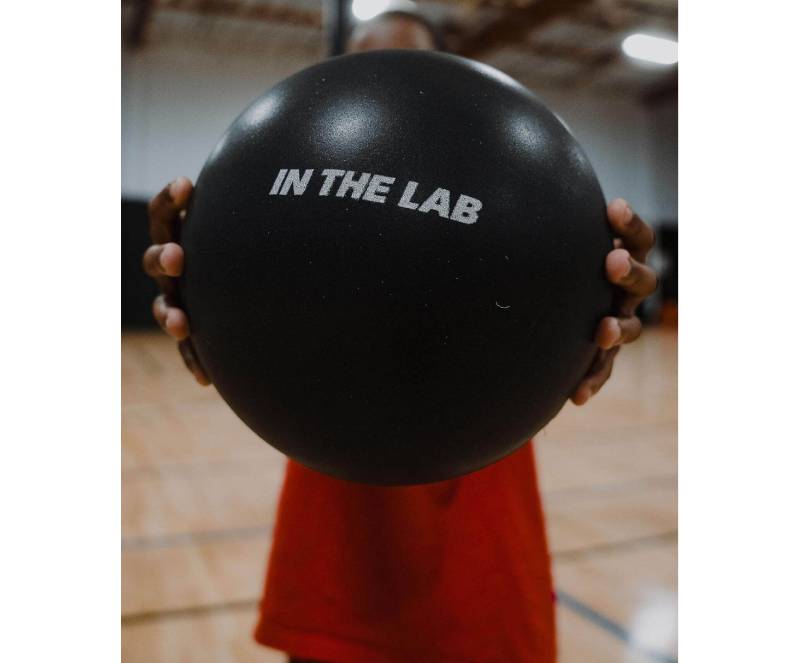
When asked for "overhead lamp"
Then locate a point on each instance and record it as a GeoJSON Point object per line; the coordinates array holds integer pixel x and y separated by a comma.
{"type": "Point", "coordinates": [651, 49]}
{"type": "Point", "coordinates": [364, 10]}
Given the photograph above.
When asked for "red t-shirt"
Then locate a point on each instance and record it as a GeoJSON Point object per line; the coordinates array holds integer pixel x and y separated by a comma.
{"type": "Point", "coordinates": [454, 571]}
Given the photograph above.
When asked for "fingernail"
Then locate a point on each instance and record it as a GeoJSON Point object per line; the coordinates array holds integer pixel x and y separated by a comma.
{"type": "Point", "coordinates": [628, 264]}
{"type": "Point", "coordinates": [173, 189]}
{"type": "Point", "coordinates": [616, 330]}
{"type": "Point", "coordinates": [628, 214]}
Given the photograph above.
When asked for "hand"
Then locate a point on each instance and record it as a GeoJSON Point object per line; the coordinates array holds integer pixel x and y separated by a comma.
{"type": "Point", "coordinates": [626, 269]}
{"type": "Point", "coordinates": [164, 262]}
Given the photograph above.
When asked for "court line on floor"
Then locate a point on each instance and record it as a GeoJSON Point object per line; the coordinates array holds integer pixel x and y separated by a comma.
{"type": "Point", "coordinates": [193, 468]}
{"type": "Point", "coordinates": [192, 538]}
{"type": "Point", "coordinates": [158, 615]}
{"type": "Point", "coordinates": [191, 611]}
{"type": "Point", "coordinates": [609, 626]}
{"type": "Point", "coordinates": [133, 544]}
{"type": "Point", "coordinates": [670, 536]}
{"type": "Point", "coordinates": [566, 600]}
{"type": "Point", "coordinates": [650, 481]}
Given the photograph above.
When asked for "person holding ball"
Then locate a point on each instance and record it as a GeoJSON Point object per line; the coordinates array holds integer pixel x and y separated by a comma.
{"type": "Point", "coordinates": [457, 570]}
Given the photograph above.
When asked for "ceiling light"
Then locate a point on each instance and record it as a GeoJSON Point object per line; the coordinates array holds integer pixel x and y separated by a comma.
{"type": "Point", "coordinates": [364, 10]}
{"type": "Point", "coordinates": [652, 49]}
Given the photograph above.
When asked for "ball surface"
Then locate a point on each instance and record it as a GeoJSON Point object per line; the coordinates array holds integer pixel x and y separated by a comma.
{"type": "Point", "coordinates": [395, 265]}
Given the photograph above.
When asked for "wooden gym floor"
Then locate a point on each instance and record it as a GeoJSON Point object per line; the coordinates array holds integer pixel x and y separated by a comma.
{"type": "Point", "coordinates": [199, 494]}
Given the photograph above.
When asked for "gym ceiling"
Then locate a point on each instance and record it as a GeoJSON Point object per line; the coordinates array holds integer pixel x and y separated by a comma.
{"type": "Point", "coordinates": [562, 44]}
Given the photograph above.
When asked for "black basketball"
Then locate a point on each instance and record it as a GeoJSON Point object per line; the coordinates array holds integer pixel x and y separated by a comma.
{"type": "Point", "coordinates": [395, 266]}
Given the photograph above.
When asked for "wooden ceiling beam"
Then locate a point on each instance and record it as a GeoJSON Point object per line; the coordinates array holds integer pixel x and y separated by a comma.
{"type": "Point", "coordinates": [513, 26]}
{"type": "Point", "coordinates": [137, 27]}
{"type": "Point", "coordinates": [666, 88]}
{"type": "Point", "coordinates": [257, 12]}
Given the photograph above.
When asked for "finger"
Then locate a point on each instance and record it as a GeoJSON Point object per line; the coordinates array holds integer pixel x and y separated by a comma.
{"type": "Point", "coordinates": [163, 260]}
{"type": "Point", "coordinates": [629, 274]}
{"type": "Point", "coordinates": [177, 324]}
{"type": "Point", "coordinates": [160, 309]}
{"type": "Point", "coordinates": [636, 235]}
{"type": "Point", "coordinates": [612, 332]}
{"type": "Point", "coordinates": [597, 376]}
{"type": "Point", "coordinates": [192, 363]}
{"type": "Point", "coordinates": [582, 394]}
{"type": "Point", "coordinates": [164, 210]}
{"type": "Point", "coordinates": [602, 370]}
{"type": "Point", "coordinates": [171, 319]}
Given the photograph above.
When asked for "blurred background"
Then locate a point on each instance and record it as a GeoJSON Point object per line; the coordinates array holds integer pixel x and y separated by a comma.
{"type": "Point", "coordinates": [199, 489]}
